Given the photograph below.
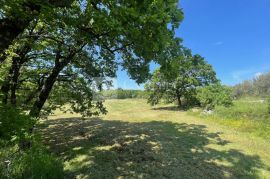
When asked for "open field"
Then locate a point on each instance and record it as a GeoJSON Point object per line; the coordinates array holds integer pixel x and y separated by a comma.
{"type": "Point", "coordinates": [136, 141]}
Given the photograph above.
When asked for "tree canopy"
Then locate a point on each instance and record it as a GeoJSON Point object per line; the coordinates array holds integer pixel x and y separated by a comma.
{"type": "Point", "coordinates": [67, 50]}
{"type": "Point", "coordinates": [180, 77]}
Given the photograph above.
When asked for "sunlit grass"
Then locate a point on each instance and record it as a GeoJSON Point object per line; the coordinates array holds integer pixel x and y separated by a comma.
{"type": "Point", "coordinates": [246, 115]}
{"type": "Point", "coordinates": [137, 141]}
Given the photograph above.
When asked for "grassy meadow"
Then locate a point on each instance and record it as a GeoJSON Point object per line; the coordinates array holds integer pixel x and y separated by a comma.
{"type": "Point", "coordinates": [135, 140]}
{"type": "Point", "coordinates": [247, 115]}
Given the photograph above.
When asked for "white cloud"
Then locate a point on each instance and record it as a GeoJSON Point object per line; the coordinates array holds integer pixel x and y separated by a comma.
{"type": "Point", "coordinates": [219, 43]}
{"type": "Point", "coordinates": [258, 74]}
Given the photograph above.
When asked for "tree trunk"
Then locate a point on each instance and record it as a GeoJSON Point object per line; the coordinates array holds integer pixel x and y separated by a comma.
{"type": "Point", "coordinates": [179, 102]}
{"type": "Point", "coordinates": [11, 81]}
{"type": "Point", "coordinates": [6, 85]}
{"type": "Point", "coordinates": [14, 80]}
{"type": "Point", "coordinates": [45, 91]}
{"type": "Point", "coordinates": [178, 96]}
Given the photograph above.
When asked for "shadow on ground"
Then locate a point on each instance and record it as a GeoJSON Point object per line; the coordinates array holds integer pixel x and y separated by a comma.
{"type": "Point", "coordinates": [172, 108]}
{"type": "Point", "coordinates": [110, 149]}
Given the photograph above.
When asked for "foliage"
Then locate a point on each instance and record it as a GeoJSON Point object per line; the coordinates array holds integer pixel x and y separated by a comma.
{"type": "Point", "coordinates": [246, 115]}
{"type": "Point", "coordinates": [214, 95]}
{"type": "Point", "coordinates": [74, 47]}
{"type": "Point", "coordinates": [123, 94]}
{"type": "Point", "coordinates": [33, 163]}
{"type": "Point", "coordinates": [14, 124]}
{"type": "Point", "coordinates": [179, 78]}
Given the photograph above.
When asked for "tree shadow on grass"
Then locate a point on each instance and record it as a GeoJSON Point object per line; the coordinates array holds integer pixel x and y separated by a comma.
{"type": "Point", "coordinates": [173, 108]}
{"type": "Point", "coordinates": [168, 108]}
{"type": "Point", "coordinates": [109, 149]}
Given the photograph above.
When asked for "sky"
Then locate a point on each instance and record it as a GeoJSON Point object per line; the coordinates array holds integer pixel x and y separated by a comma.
{"type": "Point", "coordinates": [232, 35]}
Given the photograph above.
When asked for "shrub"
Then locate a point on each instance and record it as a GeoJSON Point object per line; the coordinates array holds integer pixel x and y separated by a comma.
{"type": "Point", "coordinates": [14, 124]}
{"type": "Point", "coordinates": [33, 163]}
{"type": "Point", "coordinates": [214, 95]}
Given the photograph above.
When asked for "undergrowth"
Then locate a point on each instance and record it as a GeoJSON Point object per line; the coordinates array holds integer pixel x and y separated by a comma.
{"type": "Point", "coordinates": [247, 116]}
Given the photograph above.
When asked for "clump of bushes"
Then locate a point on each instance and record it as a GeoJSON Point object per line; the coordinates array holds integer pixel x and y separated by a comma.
{"type": "Point", "coordinates": [214, 95]}
{"type": "Point", "coordinates": [14, 123]}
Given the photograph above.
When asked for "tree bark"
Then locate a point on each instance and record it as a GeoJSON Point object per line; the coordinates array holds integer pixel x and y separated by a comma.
{"type": "Point", "coordinates": [178, 96]}
{"type": "Point", "coordinates": [14, 80]}
{"type": "Point", "coordinates": [6, 86]}
{"type": "Point", "coordinates": [48, 84]}
{"type": "Point", "coordinates": [45, 91]}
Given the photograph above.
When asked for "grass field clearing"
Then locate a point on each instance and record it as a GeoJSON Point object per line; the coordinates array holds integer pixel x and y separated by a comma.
{"type": "Point", "coordinates": [137, 141]}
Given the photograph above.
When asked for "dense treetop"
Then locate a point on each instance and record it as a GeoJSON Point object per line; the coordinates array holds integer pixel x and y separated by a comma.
{"type": "Point", "coordinates": [63, 51]}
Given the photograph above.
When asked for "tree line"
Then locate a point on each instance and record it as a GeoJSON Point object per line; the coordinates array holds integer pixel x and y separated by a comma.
{"type": "Point", "coordinates": [259, 86]}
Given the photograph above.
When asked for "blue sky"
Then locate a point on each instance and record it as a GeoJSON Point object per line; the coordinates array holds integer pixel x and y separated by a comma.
{"type": "Point", "coordinates": [232, 35]}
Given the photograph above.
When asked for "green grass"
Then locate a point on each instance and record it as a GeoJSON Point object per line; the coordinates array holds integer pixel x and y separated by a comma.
{"type": "Point", "coordinates": [36, 162]}
{"type": "Point", "coordinates": [137, 141]}
{"type": "Point", "coordinates": [245, 115]}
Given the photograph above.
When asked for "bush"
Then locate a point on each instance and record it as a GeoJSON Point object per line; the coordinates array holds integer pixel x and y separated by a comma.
{"type": "Point", "coordinates": [33, 163]}
{"type": "Point", "coordinates": [14, 124]}
{"type": "Point", "coordinates": [214, 95]}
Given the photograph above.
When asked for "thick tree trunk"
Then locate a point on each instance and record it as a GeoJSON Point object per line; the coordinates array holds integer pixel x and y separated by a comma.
{"type": "Point", "coordinates": [179, 102]}
{"type": "Point", "coordinates": [178, 96]}
{"type": "Point", "coordinates": [45, 91]}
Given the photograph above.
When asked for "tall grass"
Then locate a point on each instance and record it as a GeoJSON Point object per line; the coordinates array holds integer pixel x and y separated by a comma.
{"type": "Point", "coordinates": [247, 115]}
{"type": "Point", "coordinates": [36, 162]}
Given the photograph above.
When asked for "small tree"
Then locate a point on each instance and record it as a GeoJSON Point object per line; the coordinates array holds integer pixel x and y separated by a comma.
{"type": "Point", "coordinates": [214, 95]}
{"type": "Point", "coordinates": [179, 78]}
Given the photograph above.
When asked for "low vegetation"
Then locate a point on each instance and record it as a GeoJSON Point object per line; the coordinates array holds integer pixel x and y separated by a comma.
{"type": "Point", "coordinates": [214, 95]}
{"type": "Point", "coordinates": [37, 162]}
{"type": "Point", "coordinates": [247, 115]}
{"type": "Point", "coordinates": [22, 155]}
{"type": "Point", "coordinates": [123, 94]}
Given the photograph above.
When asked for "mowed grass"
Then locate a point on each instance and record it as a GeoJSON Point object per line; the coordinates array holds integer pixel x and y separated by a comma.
{"type": "Point", "coordinates": [135, 140]}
